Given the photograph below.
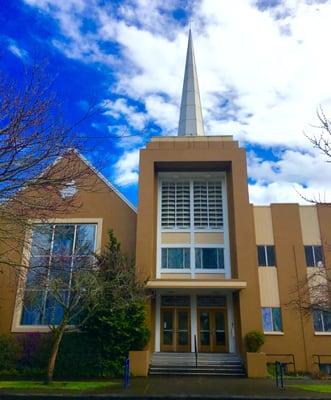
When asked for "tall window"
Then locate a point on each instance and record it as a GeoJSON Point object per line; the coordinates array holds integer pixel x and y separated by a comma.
{"type": "Point", "coordinates": [322, 321]}
{"type": "Point", "coordinates": [314, 256]}
{"type": "Point", "coordinates": [175, 205]}
{"type": "Point", "coordinates": [56, 250]}
{"type": "Point", "coordinates": [199, 200]}
{"type": "Point", "coordinates": [266, 256]}
{"type": "Point", "coordinates": [208, 212]}
{"type": "Point", "coordinates": [272, 320]}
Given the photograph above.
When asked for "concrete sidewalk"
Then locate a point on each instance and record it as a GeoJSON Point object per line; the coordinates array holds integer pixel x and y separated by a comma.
{"type": "Point", "coordinates": [188, 388]}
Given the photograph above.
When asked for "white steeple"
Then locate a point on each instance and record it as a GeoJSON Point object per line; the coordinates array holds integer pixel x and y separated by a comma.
{"type": "Point", "coordinates": [190, 119]}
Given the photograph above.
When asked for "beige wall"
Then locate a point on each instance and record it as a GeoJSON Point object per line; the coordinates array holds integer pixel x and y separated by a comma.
{"type": "Point", "coordinates": [269, 292]}
{"type": "Point", "coordinates": [263, 225]}
{"type": "Point", "coordinates": [309, 225]}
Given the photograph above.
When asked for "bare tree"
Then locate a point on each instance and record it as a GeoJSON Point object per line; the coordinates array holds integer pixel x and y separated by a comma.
{"type": "Point", "coordinates": [39, 167]}
{"type": "Point", "coordinates": [63, 288]}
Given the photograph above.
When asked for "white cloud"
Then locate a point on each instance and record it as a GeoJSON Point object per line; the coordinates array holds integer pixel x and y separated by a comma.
{"type": "Point", "coordinates": [262, 73]}
{"type": "Point", "coordinates": [120, 108]}
{"type": "Point", "coordinates": [126, 168]}
{"type": "Point", "coordinates": [17, 51]}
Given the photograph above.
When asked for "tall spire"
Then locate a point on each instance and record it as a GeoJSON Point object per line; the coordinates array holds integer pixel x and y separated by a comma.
{"type": "Point", "coordinates": [190, 119]}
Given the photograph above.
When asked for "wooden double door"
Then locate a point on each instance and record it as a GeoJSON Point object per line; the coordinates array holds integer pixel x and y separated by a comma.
{"type": "Point", "coordinates": [212, 330]}
{"type": "Point", "coordinates": [175, 329]}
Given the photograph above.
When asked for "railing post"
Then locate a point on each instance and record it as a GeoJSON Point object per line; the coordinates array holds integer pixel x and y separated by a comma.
{"type": "Point", "coordinates": [276, 369]}
{"type": "Point", "coordinates": [126, 372]}
{"type": "Point", "coordinates": [196, 351]}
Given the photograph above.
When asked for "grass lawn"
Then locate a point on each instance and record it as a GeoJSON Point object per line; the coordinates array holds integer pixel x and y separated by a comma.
{"type": "Point", "coordinates": [57, 385]}
{"type": "Point", "coordinates": [320, 387]}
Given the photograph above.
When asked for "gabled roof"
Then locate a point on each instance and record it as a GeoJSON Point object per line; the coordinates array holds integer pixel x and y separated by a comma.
{"type": "Point", "coordinates": [105, 180]}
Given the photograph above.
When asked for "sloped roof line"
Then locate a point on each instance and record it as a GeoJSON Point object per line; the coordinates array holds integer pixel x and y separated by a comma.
{"type": "Point", "coordinates": [105, 180]}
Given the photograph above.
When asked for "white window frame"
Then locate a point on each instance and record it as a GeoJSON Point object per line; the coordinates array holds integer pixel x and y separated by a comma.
{"type": "Point", "coordinates": [191, 176]}
{"type": "Point", "coordinates": [16, 324]}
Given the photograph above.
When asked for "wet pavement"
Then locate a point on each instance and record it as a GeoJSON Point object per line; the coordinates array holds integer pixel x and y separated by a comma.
{"type": "Point", "coordinates": [168, 387]}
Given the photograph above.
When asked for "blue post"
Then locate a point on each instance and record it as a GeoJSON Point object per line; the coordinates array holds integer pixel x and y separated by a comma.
{"type": "Point", "coordinates": [276, 369]}
{"type": "Point", "coordinates": [126, 373]}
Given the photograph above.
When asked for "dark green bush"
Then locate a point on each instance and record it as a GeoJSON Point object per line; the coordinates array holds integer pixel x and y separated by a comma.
{"type": "Point", "coordinates": [9, 353]}
{"type": "Point", "coordinates": [253, 341]}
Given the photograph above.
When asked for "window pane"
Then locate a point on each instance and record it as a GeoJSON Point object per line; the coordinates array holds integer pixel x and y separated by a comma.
{"type": "Point", "coordinates": [85, 238]}
{"type": "Point", "coordinates": [176, 258]}
{"type": "Point", "coordinates": [318, 324]}
{"type": "Point", "coordinates": [309, 256]}
{"type": "Point", "coordinates": [327, 321]}
{"type": "Point", "coordinates": [32, 308]}
{"type": "Point", "coordinates": [54, 310]}
{"type": "Point", "coordinates": [60, 269]}
{"type": "Point", "coordinates": [41, 240]}
{"type": "Point", "coordinates": [220, 256]}
{"type": "Point", "coordinates": [277, 319]}
{"type": "Point", "coordinates": [63, 239]}
{"type": "Point", "coordinates": [209, 258]}
{"type": "Point", "coordinates": [271, 256]}
{"type": "Point", "coordinates": [187, 258]}
{"type": "Point", "coordinates": [164, 253]}
{"type": "Point", "coordinates": [262, 262]}
{"type": "Point", "coordinates": [266, 317]}
{"type": "Point", "coordinates": [38, 272]}
{"type": "Point", "coordinates": [318, 256]}
{"type": "Point", "coordinates": [198, 258]}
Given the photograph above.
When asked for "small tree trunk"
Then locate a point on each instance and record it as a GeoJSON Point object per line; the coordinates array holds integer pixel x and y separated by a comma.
{"type": "Point", "coordinates": [58, 334]}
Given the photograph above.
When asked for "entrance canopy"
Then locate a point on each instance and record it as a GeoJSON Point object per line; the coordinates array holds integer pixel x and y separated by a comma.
{"type": "Point", "coordinates": [233, 284]}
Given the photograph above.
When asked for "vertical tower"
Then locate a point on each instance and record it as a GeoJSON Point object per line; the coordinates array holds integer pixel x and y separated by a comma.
{"type": "Point", "coordinates": [190, 119]}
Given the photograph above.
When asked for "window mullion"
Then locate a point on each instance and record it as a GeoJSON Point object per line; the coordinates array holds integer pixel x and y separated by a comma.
{"type": "Point", "coordinates": [266, 256]}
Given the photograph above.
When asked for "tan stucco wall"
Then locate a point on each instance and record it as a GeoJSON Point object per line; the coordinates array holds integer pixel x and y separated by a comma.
{"type": "Point", "coordinates": [202, 154]}
{"type": "Point", "coordinates": [175, 238]}
{"type": "Point", "coordinates": [263, 225]}
{"type": "Point", "coordinates": [299, 337]}
{"type": "Point", "coordinates": [209, 238]}
{"type": "Point", "coordinates": [100, 203]}
{"type": "Point", "coordinates": [269, 292]}
{"type": "Point", "coordinates": [309, 225]}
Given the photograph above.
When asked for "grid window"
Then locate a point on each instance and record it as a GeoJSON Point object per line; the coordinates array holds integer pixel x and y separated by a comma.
{"type": "Point", "coordinates": [175, 258]}
{"type": "Point", "coordinates": [208, 213]}
{"type": "Point", "coordinates": [266, 256]}
{"type": "Point", "coordinates": [272, 320]}
{"type": "Point", "coordinates": [55, 251]}
{"type": "Point", "coordinates": [314, 256]}
{"type": "Point", "coordinates": [322, 321]}
{"type": "Point", "coordinates": [175, 205]}
{"type": "Point", "coordinates": [209, 258]}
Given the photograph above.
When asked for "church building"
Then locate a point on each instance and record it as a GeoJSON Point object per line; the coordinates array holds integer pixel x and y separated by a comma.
{"type": "Point", "coordinates": [216, 266]}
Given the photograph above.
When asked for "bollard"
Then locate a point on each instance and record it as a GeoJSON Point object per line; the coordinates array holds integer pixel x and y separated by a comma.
{"type": "Point", "coordinates": [126, 372]}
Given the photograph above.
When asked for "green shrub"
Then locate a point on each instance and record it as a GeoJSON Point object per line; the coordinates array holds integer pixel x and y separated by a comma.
{"type": "Point", "coordinates": [253, 341]}
{"type": "Point", "coordinates": [9, 352]}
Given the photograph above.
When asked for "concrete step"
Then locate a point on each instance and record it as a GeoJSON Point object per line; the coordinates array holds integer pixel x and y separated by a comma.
{"type": "Point", "coordinates": [223, 364]}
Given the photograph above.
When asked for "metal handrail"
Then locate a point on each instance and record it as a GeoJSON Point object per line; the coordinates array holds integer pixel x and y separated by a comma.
{"type": "Point", "coordinates": [196, 351]}
{"type": "Point", "coordinates": [285, 355]}
{"type": "Point", "coordinates": [319, 358]}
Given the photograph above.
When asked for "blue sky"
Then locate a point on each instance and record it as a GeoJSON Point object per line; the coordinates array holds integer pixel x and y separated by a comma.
{"type": "Point", "coordinates": [263, 71]}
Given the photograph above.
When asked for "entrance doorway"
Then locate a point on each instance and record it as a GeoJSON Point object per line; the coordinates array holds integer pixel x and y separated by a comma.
{"type": "Point", "coordinates": [175, 329]}
{"type": "Point", "coordinates": [212, 333]}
